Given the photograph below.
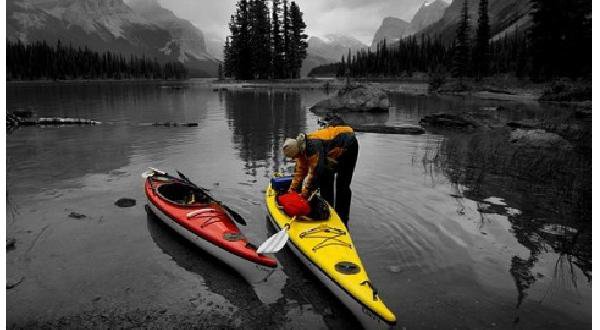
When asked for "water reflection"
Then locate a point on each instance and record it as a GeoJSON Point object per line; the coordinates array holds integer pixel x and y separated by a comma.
{"type": "Point", "coordinates": [218, 277]}
{"type": "Point", "coordinates": [260, 121]}
{"type": "Point", "coordinates": [119, 102]}
{"type": "Point", "coordinates": [298, 297]}
{"type": "Point", "coordinates": [303, 290]}
{"type": "Point", "coordinates": [545, 195]}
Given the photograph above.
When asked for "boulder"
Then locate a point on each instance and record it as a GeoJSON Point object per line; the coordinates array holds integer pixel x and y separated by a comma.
{"type": "Point", "coordinates": [355, 99]}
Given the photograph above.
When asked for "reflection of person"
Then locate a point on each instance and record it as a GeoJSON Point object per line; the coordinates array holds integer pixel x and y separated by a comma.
{"type": "Point", "coordinates": [321, 155]}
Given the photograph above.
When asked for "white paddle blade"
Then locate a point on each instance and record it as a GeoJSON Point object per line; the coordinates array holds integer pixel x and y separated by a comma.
{"type": "Point", "coordinates": [147, 174]}
{"type": "Point", "coordinates": [155, 170]}
{"type": "Point", "coordinates": [274, 243]}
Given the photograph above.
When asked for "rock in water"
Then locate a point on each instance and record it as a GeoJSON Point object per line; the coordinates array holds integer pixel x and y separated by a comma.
{"type": "Point", "coordinates": [538, 138]}
{"type": "Point", "coordinates": [10, 243]}
{"type": "Point", "coordinates": [76, 215]}
{"type": "Point", "coordinates": [125, 202]}
{"type": "Point", "coordinates": [355, 98]}
{"type": "Point", "coordinates": [449, 120]}
{"type": "Point", "coordinates": [383, 129]}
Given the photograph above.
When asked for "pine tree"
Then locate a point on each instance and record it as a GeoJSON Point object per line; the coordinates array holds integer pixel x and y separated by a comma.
{"type": "Point", "coordinates": [286, 40]}
{"type": "Point", "coordinates": [460, 66]}
{"type": "Point", "coordinates": [227, 59]}
{"type": "Point", "coordinates": [277, 42]}
{"type": "Point", "coordinates": [481, 53]}
{"type": "Point", "coordinates": [240, 41]}
{"type": "Point", "coordinates": [259, 33]}
{"type": "Point", "coordinates": [561, 38]}
{"type": "Point", "coordinates": [298, 44]}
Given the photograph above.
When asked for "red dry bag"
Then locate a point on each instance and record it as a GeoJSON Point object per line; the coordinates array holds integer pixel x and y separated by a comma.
{"type": "Point", "coordinates": [294, 204]}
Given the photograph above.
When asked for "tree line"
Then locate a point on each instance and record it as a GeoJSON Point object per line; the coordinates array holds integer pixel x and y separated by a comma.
{"type": "Point", "coordinates": [265, 43]}
{"type": "Point", "coordinates": [38, 60]}
{"type": "Point", "coordinates": [558, 44]}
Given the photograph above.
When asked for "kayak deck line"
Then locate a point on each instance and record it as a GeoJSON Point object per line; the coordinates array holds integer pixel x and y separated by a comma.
{"type": "Point", "coordinates": [194, 214]}
{"type": "Point", "coordinates": [320, 273]}
{"type": "Point", "coordinates": [325, 242]}
{"type": "Point", "coordinates": [333, 259]}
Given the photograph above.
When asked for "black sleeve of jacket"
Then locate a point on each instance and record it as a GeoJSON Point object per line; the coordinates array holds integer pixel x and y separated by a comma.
{"type": "Point", "coordinates": [319, 149]}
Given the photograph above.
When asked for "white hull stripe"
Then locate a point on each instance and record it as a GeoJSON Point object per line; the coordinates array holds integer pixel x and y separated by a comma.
{"type": "Point", "coordinates": [229, 258]}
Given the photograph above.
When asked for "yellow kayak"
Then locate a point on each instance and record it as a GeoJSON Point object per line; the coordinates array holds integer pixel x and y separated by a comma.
{"type": "Point", "coordinates": [327, 250]}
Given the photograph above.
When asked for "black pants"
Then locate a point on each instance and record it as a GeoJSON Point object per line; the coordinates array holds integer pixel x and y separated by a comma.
{"type": "Point", "coordinates": [343, 193]}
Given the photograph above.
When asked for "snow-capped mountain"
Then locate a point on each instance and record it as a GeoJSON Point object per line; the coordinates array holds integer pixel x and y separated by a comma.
{"type": "Point", "coordinates": [429, 13]}
{"type": "Point", "coordinates": [393, 29]}
{"type": "Point", "coordinates": [328, 49]}
{"type": "Point", "coordinates": [111, 25]}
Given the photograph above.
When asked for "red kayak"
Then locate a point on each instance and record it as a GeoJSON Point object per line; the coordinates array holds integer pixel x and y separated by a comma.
{"type": "Point", "coordinates": [191, 212]}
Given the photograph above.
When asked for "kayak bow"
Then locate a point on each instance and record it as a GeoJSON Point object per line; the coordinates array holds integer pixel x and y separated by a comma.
{"type": "Point", "coordinates": [326, 248]}
{"type": "Point", "coordinates": [195, 215]}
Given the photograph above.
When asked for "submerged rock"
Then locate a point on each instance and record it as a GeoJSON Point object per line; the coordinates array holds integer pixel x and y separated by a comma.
{"type": "Point", "coordinates": [125, 202]}
{"type": "Point", "coordinates": [173, 124]}
{"type": "Point", "coordinates": [11, 283]}
{"type": "Point", "coordinates": [10, 243]}
{"type": "Point", "coordinates": [355, 99]}
{"type": "Point", "coordinates": [76, 215]}
{"type": "Point", "coordinates": [448, 120]}
{"type": "Point", "coordinates": [382, 129]}
{"type": "Point", "coordinates": [525, 123]}
{"type": "Point", "coordinates": [538, 138]}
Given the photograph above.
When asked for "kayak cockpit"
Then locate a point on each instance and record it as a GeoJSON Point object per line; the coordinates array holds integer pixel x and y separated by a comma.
{"type": "Point", "coordinates": [182, 194]}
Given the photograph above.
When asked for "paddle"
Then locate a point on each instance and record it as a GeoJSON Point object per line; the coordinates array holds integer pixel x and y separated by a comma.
{"type": "Point", "coordinates": [276, 242]}
{"type": "Point", "coordinates": [234, 215]}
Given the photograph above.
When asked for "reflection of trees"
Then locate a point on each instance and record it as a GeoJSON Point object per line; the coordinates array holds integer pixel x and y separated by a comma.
{"type": "Point", "coordinates": [260, 121]}
{"type": "Point", "coordinates": [552, 188]}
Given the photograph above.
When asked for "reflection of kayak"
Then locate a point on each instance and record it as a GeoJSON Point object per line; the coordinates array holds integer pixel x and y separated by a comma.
{"type": "Point", "coordinates": [192, 213]}
{"type": "Point", "coordinates": [326, 248]}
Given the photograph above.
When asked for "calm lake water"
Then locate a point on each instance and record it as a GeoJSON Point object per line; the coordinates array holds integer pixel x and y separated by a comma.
{"type": "Point", "coordinates": [449, 242]}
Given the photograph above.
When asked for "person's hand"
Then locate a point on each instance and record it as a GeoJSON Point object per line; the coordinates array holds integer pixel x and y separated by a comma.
{"type": "Point", "coordinates": [305, 193]}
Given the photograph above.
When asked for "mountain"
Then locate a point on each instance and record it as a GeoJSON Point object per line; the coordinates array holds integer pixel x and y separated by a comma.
{"type": "Point", "coordinates": [429, 13]}
{"type": "Point", "coordinates": [393, 29]}
{"type": "Point", "coordinates": [328, 50]}
{"type": "Point", "coordinates": [214, 45]}
{"type": "Point", "coordinates": [505, 16]}
{"type": "Point", "coordinates": [112, 25]}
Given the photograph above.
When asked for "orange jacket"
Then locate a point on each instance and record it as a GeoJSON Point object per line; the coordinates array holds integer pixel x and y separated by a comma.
{"type": "Point", "coordinates": [323, 148]}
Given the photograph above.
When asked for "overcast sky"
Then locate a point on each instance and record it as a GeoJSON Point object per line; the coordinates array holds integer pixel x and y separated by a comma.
{"type": "Point", "coordinates": [356, 18]}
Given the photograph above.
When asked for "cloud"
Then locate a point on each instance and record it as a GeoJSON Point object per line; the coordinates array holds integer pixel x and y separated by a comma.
{"type": "Point", "coordinates": [355, 18]}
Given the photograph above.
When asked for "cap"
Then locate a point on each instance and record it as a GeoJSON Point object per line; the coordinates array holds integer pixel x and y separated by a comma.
{"type": "Point", "coordinates": [290, 148]}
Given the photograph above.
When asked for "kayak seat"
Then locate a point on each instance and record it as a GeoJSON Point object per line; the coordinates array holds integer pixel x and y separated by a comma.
{"type": "Point", "coordinates": [182, 194]}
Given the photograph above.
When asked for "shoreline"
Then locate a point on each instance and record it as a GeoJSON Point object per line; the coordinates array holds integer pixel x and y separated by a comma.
{"type": "Point", "coordinates": [503, 90]}
{"type": "Point", "coordinates": [79, 81]}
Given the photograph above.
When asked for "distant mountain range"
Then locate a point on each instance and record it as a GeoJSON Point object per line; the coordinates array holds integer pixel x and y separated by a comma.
{"type": "Point", "coordinates": [328, 50]}
{"type": "Point", "coordinates": [143, 27]}
{"type": "Point", "coordinates": [505, 16]}
{"type": "Point", "coordinates": [138, 27]}
{"type": "Point", "coordinates": [393, 29]}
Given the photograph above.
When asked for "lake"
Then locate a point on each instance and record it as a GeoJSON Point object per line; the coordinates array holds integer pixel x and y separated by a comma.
{"type": "Point", "coordinates": [449, 237]}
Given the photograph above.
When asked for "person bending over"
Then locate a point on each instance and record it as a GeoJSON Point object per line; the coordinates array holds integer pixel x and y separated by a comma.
{"type": "Point", "coordinates": [325, 159]}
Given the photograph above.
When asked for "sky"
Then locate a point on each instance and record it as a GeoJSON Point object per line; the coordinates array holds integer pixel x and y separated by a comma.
{"type": "Point", "coordinates": [355, 18]}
